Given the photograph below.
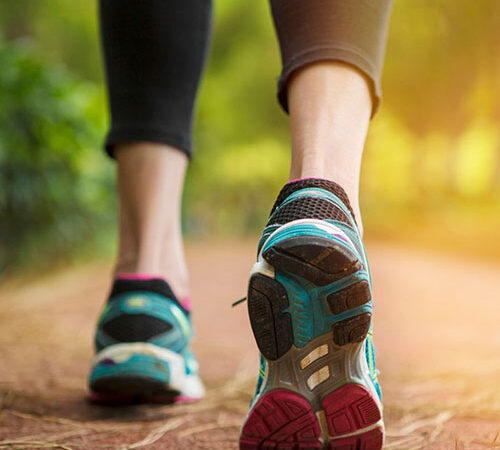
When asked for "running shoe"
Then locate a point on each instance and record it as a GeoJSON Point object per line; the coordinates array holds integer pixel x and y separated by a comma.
{"type": "Point", "coordinates": [142, 347]}
{"type": "Point", "coordinates": [310, 307]}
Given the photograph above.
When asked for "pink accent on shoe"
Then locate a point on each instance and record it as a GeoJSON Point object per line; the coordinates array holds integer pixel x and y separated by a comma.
{"type": "Point", "coordinates": [349, 409]}
{"type": "Point", "coordinates": [181, 399]}
{"type": "Point", "coordinates": [281, 419]}
{"type": "Point", "coordinates": [186, 303]}
{"type": "Point", "coordinates": [138, 276]}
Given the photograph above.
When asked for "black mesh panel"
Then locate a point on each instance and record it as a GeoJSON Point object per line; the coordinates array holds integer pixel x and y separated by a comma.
{"type": "Point", "coordinates": [308, 208]}
{"type": "Point", "coordinates": [135, 327]}
{"type": "Point", "coordinates": [328, 185]}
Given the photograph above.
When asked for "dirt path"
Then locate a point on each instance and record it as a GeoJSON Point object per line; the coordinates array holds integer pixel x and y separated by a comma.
{"type": "Point", "coordinates": [435, 329]}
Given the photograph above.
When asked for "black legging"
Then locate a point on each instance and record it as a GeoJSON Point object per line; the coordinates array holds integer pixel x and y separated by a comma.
{"type": "Point", "coordinates": [154, 52]}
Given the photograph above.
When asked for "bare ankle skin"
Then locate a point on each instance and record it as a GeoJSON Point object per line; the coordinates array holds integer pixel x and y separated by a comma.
{"type": "Point", "coordinates": [150, 181]}
{"type": "Point", "coordinates": [330, 107]}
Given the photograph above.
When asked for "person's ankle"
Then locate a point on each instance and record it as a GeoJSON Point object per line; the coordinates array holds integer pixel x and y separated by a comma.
{"type": "Point", "coordinates": [173, 272]}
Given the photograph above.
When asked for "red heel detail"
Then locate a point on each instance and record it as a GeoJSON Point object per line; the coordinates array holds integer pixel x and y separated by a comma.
{"type": "Point", "coordinates": [281, 420]}
{"type": "Point", "coordinates": [349, 409]}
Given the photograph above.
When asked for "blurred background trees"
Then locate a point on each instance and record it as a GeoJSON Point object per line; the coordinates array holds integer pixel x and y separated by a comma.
{"type": "Point", "coordinates": [432, 164]}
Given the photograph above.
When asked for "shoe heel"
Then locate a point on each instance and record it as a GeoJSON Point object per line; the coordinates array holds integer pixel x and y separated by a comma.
{"type": "Point", "coordinates": [136, 372]}
{"type": "Point", "coordinates": [316, 259]}
{"type": "Point", "coordinates": [322, 255]}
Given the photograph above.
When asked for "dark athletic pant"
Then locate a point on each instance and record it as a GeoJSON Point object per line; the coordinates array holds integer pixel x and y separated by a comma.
{"type": "Point", "coordinates": [154, 53]}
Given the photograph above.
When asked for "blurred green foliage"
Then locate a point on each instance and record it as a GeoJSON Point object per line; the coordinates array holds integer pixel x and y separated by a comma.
{"type": "Point", "coordinates": [53, 192]}
{"type": "Point", "coordinates": [241, 136]}
{"type": "Point", "coordinates": [432, 154]}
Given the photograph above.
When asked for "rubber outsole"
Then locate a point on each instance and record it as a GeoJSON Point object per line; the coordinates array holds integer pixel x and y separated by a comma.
{"type": "Point", "coordinates": [351, 297]}
{"type": "Point", "coordinates": [310, 312]}
{"type": "Point", "coordinates": [318, 261]}
{"type": "Point", "coordinates": [123, 390]}
{"type": "Point", "coordinates": [283, 419]}
{"type": "Point", "coordinates": [271, 326]}
{"type": "Point", "coordinates": [350, 409]}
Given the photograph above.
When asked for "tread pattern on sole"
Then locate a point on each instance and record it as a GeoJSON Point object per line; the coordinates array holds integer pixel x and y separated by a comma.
{"type": "Point", "coordinates": [352, 296]}
{"type": "Point", "coordinates": [272, 328]}
{"type": "Point", "coordinates": [350, 408]}
{"type": "Point", "coordinates": [315, 259]}
{"type": "Point", "coordinates": [281, 419]}
{"type": "Point", "coordinates": [351, 330]}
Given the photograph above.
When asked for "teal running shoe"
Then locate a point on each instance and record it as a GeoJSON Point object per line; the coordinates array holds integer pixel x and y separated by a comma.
{"type": "Point", "coordinates": [142, 347]}
{"type": "Point", "coordinates": [310, 307]}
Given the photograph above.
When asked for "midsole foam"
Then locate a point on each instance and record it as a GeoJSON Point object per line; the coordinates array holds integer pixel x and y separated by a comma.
{"type": "Point", "coordinates": [120, 353]}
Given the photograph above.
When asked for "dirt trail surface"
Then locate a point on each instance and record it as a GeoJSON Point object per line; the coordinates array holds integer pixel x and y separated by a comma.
{"type": "Point", "coordinates": [436, 333]}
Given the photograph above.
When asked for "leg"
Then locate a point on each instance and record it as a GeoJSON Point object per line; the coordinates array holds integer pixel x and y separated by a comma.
{"type": "Point", "coordinates": [330, 83]}
{"type": "Point", "coordinates": [154, 54]}
{"type": "Point", "coordinates": [330, 107]}
{"type": "Point", "coordinates": [150, 180]}
{"type": "Point", "coordinates": [309, 295]}
{"type": "Point", "coordinates": [154, 51]}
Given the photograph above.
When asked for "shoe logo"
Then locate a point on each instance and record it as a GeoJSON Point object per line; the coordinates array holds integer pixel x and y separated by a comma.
{"type": "Point", "coordinates": [136, 302]}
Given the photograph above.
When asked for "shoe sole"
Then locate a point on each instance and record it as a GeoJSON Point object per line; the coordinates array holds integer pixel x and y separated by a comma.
{"type": "Point", "coordinates": [309, 302]}
{"type": "Point", "coordinates": [131, 373]}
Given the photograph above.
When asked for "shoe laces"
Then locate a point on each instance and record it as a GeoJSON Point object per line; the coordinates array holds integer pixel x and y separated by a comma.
{"type": "Point", "coordinates": [237, 302]}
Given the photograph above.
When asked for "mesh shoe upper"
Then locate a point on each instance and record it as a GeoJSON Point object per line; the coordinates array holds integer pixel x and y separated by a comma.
{"type": "Point", "coordinates": [143, 311]}
{"type": "Point", "coordinates": [308, 183]}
